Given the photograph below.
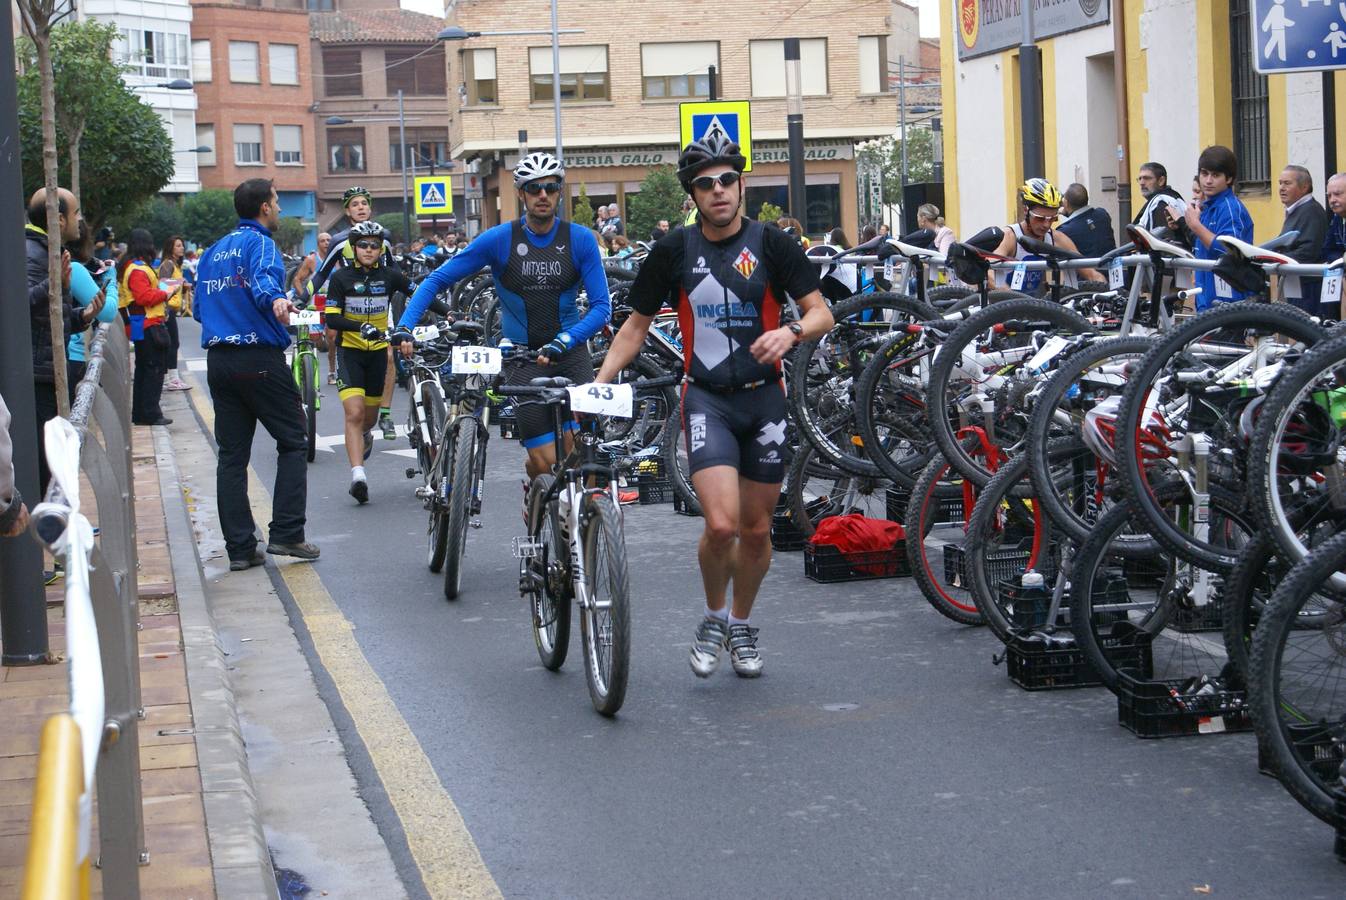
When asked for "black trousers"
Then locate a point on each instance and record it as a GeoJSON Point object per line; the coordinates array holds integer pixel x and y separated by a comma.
{"type": "Point", "coordinates": [171, 321]}
{"type": "Point", "coordinates": [147, 386]}
{"type": "Point", "coordinates": [44, 402]}
{"type": "Point", "coordinates": [250, 385]}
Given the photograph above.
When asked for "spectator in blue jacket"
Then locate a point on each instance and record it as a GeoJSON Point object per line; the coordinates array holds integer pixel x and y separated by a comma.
{"type": "Point", "coordinates": [1090, 227]}
{"type": "Point", "coordinates": [1218, 211]}
{"type": "Point", "coordinates": [244, 312]}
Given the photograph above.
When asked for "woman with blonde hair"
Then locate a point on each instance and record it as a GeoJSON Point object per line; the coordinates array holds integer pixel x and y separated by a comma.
{"type": "Point", "coordinates": [927, 216]}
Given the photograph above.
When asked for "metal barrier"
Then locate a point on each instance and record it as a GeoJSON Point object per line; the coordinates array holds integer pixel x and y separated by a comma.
{"type": "Point", "coordinates": [102, 620]}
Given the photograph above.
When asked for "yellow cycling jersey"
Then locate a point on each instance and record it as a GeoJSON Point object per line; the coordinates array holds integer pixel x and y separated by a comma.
{"type": "Point", "coordinates": [363, 296]}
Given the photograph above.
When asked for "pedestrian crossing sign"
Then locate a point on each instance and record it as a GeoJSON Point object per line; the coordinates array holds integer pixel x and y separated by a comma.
{"type": "Point", "coordinates": [730, 117]}
{"type": "Point", "coordinates": [434, 196]}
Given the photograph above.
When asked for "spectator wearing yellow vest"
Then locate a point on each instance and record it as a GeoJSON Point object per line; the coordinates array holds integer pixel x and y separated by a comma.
{"type": "Point", "coordinates": [147, 306]}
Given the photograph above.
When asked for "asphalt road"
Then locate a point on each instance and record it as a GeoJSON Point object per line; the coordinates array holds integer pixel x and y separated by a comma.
{"type": "Point", "coordinates": [880, 753]}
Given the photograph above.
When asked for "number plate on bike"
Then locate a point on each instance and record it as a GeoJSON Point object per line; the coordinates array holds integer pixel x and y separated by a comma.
{"type": "Point", "coordinates": [425, 332]}
{"type": "Point", "coordinates": [476, 361]}
{"type": "Point", "coordinates": [304, 317]}
{"type": "Point", "coordinates": [602, 399]}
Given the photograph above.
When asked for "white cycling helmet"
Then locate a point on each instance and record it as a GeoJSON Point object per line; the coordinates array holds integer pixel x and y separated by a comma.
{"type": "Point", "coordinates": [535, 166]}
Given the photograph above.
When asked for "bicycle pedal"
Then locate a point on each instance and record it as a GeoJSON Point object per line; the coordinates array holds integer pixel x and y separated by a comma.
{"type": "Point", "coordinates": [475, 523]}
{"type": "Point", "coordinates": [423, 493]}
{"type": "Point", "coordinates": [525, 548]}
{"type": "Point", "coordinates": [411, 472]}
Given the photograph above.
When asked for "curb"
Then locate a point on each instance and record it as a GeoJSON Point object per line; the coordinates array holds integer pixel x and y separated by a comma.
{"type": "Point", "coordinates": [240, 858]}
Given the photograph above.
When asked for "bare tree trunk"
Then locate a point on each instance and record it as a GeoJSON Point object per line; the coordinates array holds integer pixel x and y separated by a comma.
{"type": "Point", "coordinates": [76, 134]}
{"type": "Point", "coordinates": [55, 296]}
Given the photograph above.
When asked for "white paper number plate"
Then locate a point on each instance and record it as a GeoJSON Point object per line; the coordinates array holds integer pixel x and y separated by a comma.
{"type": "Point", "coordinates": [305, 317]}
{"type": "Point", "coordinates": [425, 332]}
{"type": "Point", "coordinates": [476, 361]}
{"type": "Point", "coordinates": [602, 399]}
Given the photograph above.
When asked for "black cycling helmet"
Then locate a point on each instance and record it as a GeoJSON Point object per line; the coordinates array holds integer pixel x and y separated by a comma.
{"type": "Point", "coordinates": [353, 192]}
{"type": "Point", "coordinates": [712, 149]}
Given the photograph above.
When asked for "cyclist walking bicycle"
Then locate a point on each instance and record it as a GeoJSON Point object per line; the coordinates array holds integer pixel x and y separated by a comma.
{"type": "Point", "coordinates": [539, 263]}
{"type": "Point", "coordinates": [729, 277]}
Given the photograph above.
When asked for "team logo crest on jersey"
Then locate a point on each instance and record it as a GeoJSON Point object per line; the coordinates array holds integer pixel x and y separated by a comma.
{"type": "Point", "coordinates": [746, 263]}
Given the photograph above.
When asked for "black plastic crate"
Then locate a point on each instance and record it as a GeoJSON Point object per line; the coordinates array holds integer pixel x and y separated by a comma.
{"type": "Point", "coordinates": [825, 563]}
{"type": "Point", "coordinates": [786, 536]}
{"type": "Point", "coordinates": [948, 510]}
{"type": "Point", "coordinates": [509, 425]}
{"type": "Point", "coordinates": [1040, 662]}
{"type": "Point", "coordinates": [654, 491]}
{"type": "Point", "coordinates": [643, 468]}
{"type": "Point", "coordinates": [1157, 709]}
{"type": "Point", "coordinates": [1206, 618]}
{"type": "Point", "coordinates": [1004, 565]}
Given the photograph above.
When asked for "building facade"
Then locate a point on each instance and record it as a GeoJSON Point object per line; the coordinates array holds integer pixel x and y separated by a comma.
{"type": "Point", "coordinates": [364, 52]}
{"type": "Point", "coordinates": [253, 75]}
{"type": "Point", "coordinates": [1187, 83]}
{"type": "Point", "coordinates": [154, 40]}
{"type": "Point", "coordinates": [620, 90]}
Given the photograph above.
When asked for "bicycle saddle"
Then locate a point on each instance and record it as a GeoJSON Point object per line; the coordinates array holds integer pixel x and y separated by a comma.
{"type": "Point", "coordinates": [986, 240]}
{"type": "Point", "coordinates": [1123, 250]}
{"type": "Point", "coordinates": [554, 381]}
{"type": "Point", "coordinates": [919, 244]}
{"type": "Point", "coordinates": [1047, 251]}
{"type": "Point", "coordinates": [1149, 242]}
{"type": "Point", "coordinates": [467, 329]}
{"type": "Point", "coordinates": [1267, 253]}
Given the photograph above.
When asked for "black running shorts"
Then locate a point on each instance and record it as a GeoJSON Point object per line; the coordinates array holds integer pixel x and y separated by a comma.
{"type": "Point", "coordinates": [362, 373]}
{"type": "Point", "coordinates": [536, 422]}
{"type": "Point", "coordinates": [745, 429]}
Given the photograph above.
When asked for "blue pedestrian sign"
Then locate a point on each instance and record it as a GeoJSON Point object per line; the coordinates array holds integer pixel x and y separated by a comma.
{"type": "Point", "coordinates": [732, 118]}
{"type": "Point", "coordinates": [1298, 35]}
{"type": "Point", "coordinates": [434, 195]}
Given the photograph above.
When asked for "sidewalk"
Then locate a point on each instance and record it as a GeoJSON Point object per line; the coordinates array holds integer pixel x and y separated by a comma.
{"type": "Point", "coordinates": [180, 858]}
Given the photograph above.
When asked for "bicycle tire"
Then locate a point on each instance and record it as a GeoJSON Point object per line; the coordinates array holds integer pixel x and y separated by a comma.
{"type": "Point", "coordinates": [1272, 317]}
{"type": "Point", "coordinates": [1246, 591]}
{"type": "Point", "coordinates": [438, 529]}
{"type": "Point", "coordinates": [464, 478]}
{"type": "Point", "coordinates": [1073, 523]}
{"type": "Point", "coordinates": [1273, 512]}
{"type": "Point", "coordinates": [604, 548]}
{"type": "Point", "coordinates": [902, 412]}
{"type": "Point", "coordinates": [308, 374]}
{"type": "Point", "coordinates": [950, 355]}
{"type": "Point", "coordinates": [867, 496]}
{"type": "Point", "coordinates": [550, 607]}
{"type": "Point", "coordinates": [822, 414]}
{"type": "Point", "coordinates": [676, 463]}
{"type": "Point", "coordinates": [1276, 708]}
{"type": "Point", "coordinates": [958, 604]}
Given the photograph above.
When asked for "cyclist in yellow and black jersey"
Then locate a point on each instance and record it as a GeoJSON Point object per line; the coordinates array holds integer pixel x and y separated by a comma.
{"type": "Point", "coordinates": [358, 310]}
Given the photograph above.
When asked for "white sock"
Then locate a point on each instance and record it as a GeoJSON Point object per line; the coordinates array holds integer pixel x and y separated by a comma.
{"type": "Point", "coordinates": [357, 473]}
{"type": "Point", "coordinates": [720, 614]}
{"type": "Point", "coordinates": [735, 620]}
{"type": "Point", "coordinates": [173, 375]}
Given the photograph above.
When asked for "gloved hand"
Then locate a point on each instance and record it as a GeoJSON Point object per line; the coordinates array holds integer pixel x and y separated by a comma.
{"type": "Point", "coordinates": [369, 332]}
{"type": "Point", "coordinates": [555, 349]}
{"type": "Point", "coordinates": [397, 336]}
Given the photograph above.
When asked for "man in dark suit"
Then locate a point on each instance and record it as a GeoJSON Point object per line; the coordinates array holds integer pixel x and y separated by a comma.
{"type": "Point", "coordinates": [1088, 226]}
{"type": "Point", "coordinates": [1306, 215]}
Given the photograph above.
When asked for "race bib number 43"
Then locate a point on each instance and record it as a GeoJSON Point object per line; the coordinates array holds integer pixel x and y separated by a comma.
{"type": "Point", "coordinates": [602, 399]}
{"type": "Point", "coordinates": [476, 361]}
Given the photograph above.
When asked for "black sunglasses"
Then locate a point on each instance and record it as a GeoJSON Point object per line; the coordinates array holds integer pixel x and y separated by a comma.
{"type": "Point", "coordinates": [534, 188]}
{"type": "Point", "coordinates": [369, 245]}
{"type": "Point", "coordinates": [707, 182]}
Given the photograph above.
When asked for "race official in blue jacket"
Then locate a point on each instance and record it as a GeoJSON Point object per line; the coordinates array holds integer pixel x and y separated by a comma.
{"type": "Point", "coordinates": [244, 312]}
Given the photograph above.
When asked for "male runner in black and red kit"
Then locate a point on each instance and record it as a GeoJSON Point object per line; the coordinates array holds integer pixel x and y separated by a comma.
{"type": "Point", "coordinates": [729, 277]}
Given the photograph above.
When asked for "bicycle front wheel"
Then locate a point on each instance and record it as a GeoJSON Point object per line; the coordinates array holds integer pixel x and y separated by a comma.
{"type": "Point", "coordinates": [605, 625]}
{"type": "Point", "coordinates": [438, 530]}
{"type": "Point", "coordinates": [308, 368]}
{"type": "Point", "coordinates": [463, 467]}
{"type": "Point", "coordinates": [547, 578]}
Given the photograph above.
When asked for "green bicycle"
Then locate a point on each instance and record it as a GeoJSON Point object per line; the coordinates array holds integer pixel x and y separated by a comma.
{"type": "Point", "coordinates": [304, 367]}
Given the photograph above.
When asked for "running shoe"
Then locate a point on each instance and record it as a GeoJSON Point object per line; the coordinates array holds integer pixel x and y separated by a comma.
{"type": "Point", "coordinates": [331, 378]}
{"type": "Point", "coordinates": [389, 429]}
{"type": "Point", "coordinates": [742, 644]}
{"type": "Point", "coordinates": [710, 638]}
{"type": "Point", "coordinates": [176, 384]}
{"type": "Point", "coordinates": [369, 444]}
{"type": "Point", "coordinates": [360, 490]}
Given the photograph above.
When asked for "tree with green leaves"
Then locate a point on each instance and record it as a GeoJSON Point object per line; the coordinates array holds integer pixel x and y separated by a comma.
{"type": "Point", "coordinates": [289, 234]}
{"type": "Point", "coordinates": [582, 211]}
{"type": "Point", "coordinates": [160, 216]}
{"type": "Point", "coordinates": [660, 197]}
{"type": "Point", "coordinates": [393, 224]}
{"type": "Point", "coordinates": [887, 152]}
{"type": "Point", "coordinates": [769, 212]}
{"type": "Point", "coordinates": [208, 216]}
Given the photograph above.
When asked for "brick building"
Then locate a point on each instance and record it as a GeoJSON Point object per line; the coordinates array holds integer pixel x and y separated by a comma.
{"type": "Point", "coordinates": [251, 66]}
{"type": "Point", "coordinates": [364, 51]}
{"type": "Point", "coordinates": [621, 86]}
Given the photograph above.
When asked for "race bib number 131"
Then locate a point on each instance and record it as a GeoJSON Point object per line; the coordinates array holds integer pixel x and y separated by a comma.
{"type": "Point", "coordinates": [476, 361]}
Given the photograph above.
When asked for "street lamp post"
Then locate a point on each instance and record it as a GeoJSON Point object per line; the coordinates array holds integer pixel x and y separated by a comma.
{"type": "Point", "coordinates": [794, 124]}
{"type": "Point", "coordinates": [401, 120]}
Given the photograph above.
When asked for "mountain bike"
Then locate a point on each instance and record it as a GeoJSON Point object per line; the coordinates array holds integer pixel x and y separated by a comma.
{"type": "Point", "coordinates": [304, 368]}
{"type": "Point", "coordinates": [576, 544]}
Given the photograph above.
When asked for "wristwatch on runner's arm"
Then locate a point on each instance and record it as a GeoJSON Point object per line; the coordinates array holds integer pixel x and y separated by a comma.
{"type": "Point", "coordinates": [797, 330]}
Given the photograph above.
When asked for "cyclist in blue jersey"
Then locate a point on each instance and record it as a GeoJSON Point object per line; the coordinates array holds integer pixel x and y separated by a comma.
{"type": "Point", "coordinates": [539, 264]}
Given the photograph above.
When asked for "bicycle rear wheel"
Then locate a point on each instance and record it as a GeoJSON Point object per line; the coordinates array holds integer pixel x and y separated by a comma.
{"type": "Point", "coordinates": [548, 577]}
{"type": "Point", "coordinates": [463, 467]}
{"type": "Point", "coordinates": [605, 626]}
{"type": "Point", "coordinates": [936, 540]}
{"type": "Point", "coordinates": [308, 374]}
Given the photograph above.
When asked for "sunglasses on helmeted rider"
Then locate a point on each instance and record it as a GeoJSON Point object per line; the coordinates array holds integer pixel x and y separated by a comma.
{"type": "Point", "coordinates": [369, 245]}
{"type": "Point", "coordinates": [536, 187]}
{"type": "Point", "coordinates": [707, 182]}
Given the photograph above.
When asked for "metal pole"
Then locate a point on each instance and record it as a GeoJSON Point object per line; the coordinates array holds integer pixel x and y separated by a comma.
{"type": "Point", "coordinates": [523, 151]}
{"type": "Point", "coordinates": [406, 194]}
{"type": "Point", "coordinates": [1123, 124]}
{"type": "Point", "coordinates": [1030, 98]}
{"type": "Point", "coordinates": [434, 217]}
{"type": "Point", "coordinates": [714, 86]}
{"type": "Point", "coordinates": [794, 123]}
{"type": "Point", "coordinates": [902, 105]}
{"type": "Point", "coordinates": [1329, 125]}
{"type": "Point", "coordinates": [23, 604]}
{"type": "Point", "coordinates": [556, 96]}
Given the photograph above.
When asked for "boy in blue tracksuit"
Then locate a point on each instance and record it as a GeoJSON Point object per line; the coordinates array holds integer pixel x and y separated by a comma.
{"type": "Point", "coordinates": [1218, 211]}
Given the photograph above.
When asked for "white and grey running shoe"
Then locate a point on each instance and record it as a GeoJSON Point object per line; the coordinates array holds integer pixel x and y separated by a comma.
{"type": "Point", "coordinates": [710, 638]}
{"type": "Point", "coordinates": [742, 643]}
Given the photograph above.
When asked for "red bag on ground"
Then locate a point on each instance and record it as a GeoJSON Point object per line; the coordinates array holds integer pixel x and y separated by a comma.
{"type": "Point", "coordinates": [854, 533]}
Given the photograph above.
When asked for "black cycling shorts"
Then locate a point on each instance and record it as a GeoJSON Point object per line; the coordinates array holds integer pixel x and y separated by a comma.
{"type": "Point", "coordinates": [745, 429]}
{"type": "Point", "coordinates": [362, 373]}
{"type": "Point", "coordinates": [536, 422]}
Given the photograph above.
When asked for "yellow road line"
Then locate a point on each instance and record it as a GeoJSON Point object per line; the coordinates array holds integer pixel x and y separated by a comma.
{"type": "Point", "coordinates": [448, 859]}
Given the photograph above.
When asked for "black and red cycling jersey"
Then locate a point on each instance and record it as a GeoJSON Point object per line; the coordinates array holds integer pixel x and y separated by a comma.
{"type": "Point", "coordinates": [727, 294]}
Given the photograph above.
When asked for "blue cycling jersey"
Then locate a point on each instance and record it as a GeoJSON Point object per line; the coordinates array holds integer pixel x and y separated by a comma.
{"type": "Point", "coordinates": [537, 278]}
